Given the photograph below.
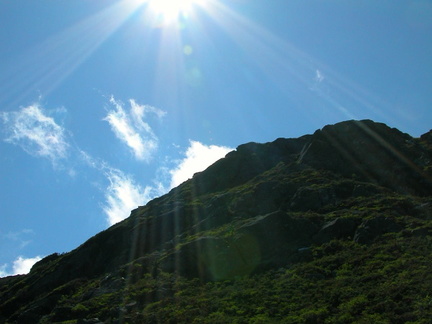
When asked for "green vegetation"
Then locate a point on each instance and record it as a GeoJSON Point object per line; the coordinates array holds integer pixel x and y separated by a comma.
{"type": "Point", "coordinates": [388, 281]}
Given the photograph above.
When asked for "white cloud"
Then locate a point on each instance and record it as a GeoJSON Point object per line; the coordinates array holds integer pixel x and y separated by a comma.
{"type": "Point", "coordinates": [20, 266]}
{"type": "Point", "coordinates": [23, 265]}
{"type": "Point", "coordinates": [198, 158]}
{"type": "Point", "coordinates": [319, 77]}
{"type": "Point", "coordinates": [139, 112]}
{"type": "Point", "coordinates": [131, 128]}
{"type": "Point", "coordinates": [35, 132]}
{"type": "Point", "coordinates": [92, 162]}
{"type": "Point", "coordinates": [3, 271]}
{"type": "Point", "coordinates": [123, 195]}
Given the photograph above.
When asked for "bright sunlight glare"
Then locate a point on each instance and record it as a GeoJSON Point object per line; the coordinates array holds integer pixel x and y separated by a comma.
{"type": "Point", "coordinates": [170, 10]}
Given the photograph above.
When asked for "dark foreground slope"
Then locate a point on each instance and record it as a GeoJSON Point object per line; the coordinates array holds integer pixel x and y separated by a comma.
{"type": "Point", "coordinates": [333, 227]}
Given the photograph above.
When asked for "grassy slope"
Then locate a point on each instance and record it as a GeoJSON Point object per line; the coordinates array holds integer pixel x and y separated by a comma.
{"type": "Point", "coordinates": [388, 281]}
{"type": "Point", "coordinates": [341, 281]}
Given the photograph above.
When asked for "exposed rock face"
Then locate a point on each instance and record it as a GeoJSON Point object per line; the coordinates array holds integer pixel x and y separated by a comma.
{"type": "Point", "coordinates": [373, 152]}
{"type": "Point", "coordinates": [336, 229]}
{"type": "Point", "coordinates": [372, 228]}
{"type": "Point", "coordinates": [279, 236]}
{"type": "Point", "coordinates": [427, 137]}
{"type": "Point", "coordinates": [261, 207]}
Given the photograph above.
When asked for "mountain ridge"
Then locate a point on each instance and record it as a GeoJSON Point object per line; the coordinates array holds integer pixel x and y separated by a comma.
{"type": "Point", "coordinates": [262, 207]}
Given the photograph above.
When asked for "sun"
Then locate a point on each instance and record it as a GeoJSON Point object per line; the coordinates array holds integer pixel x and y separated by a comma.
{"type": "Point", "coordinates": [171, 10]}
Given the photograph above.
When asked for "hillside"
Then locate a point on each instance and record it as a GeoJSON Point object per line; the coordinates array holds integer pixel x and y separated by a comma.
{"type": "Point", "coordinates": [332, 227]}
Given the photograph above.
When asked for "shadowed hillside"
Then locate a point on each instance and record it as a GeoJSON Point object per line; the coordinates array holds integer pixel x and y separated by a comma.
{"type": "Point", "coordinates": [333, 227]}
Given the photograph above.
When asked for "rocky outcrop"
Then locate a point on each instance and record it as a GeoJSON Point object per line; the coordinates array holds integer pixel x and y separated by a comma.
{"type": "Point", "coordinates": [373, 152]}
{"type": "Point", "coordinates": [427, 137]}
{"type": "Point", "coordinates": [372, 228]}
{"type": "Point", "coordinates": [338, 228]}
{"type": "Point", "coordinates": [264, 242]}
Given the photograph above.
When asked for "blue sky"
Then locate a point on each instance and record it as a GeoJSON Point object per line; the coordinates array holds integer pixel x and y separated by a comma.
{"type": "Point", "coordinates": [105, 105]}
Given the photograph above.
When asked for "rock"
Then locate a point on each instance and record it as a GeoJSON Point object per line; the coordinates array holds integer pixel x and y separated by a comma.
{"type": "Point", "coordinates": [372, 228]}
{"type": "Point", "coordinates": [421, 232]}
{"type": "Point", "coordinates": [427, 137]}
{"type": "Point", "coordinates": [264, 242]}
{"type": "Point", "coordinates": [371, 151]}
{"type": "Point", "coordinates": [90, 321]}
{"type": "Point", "coordinates": [336, 229]}
{"type": "Point", "coordinates": [277, 237]}
{"type": "Point", "coordinates": [312, 199]}
{"type": "Point", "coordinates": [208, 258]}
{"type": "Point", "coordinates": [306, 199]}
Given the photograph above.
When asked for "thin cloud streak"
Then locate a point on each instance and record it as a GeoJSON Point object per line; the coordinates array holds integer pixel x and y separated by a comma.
{"type": "Point", "coordinates": [319, 77]}
{"type": "Point", "coordinates": [3, 271]}
{"type": "Point", "coordinates": [122, 194]}
{"type": "Point", "coordinates": [132, 130]}
{"type": "Point", "coordinates": [19, 239]}
{"type": "Point", "coordinates": [198, 157]}
{"type": "Point", "coordinates": [125, 194]}
{"type": "Point", "coordinates": [139, 112]}
{"type": "Point", "coordinates": [36, 133]}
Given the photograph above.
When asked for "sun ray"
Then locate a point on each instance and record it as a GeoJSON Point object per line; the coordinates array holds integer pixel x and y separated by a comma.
{"type": "Point", "coordinates": [279, 59]}
{"type": "Point", "coordinates": [45, 66]}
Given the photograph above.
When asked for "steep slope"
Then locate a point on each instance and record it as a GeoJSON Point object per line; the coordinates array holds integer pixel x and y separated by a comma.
{"type": "Point", "coordinates": [279, 205]}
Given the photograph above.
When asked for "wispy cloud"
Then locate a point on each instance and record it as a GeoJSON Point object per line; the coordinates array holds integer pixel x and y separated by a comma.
{"type": "Point", "coordinates": [123, 195]}
{"type": "Point", "coordinates": [35, 132]}
{"type": "Point", "coordinates": [197, 158]}
{"type": "Point", "coordinates": [132, 129]}
{"type": "Point", "coordinates": [19, 239]}
{"type": "Point", "coordinates": [20, 265]}
{"type": "Point", "coordinates": [319, 77]}
{"type": "Point", "coordinates": [3, 271]}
